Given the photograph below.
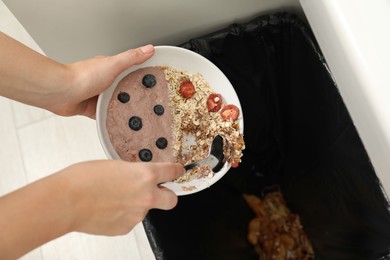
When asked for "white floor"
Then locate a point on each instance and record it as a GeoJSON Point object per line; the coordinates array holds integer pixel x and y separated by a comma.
{"type": "Point", "coordinates": [36, 143]}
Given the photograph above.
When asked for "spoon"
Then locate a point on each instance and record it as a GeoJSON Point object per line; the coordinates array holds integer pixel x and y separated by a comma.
{"type": "Point", "coordinates": [215, 158]}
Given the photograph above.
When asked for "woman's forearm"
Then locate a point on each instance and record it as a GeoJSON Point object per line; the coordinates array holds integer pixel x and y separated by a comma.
{"type": "Point", "coordinates": [28, 76]}
{"type": "Point", "coordinates": [104, 197]}
{"type": "Point", "coordinates": [64, 89]}
{"type": "Point", "coordinates": [33, 215]}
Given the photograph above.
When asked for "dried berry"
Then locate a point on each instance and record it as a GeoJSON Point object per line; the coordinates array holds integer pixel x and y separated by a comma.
{"type": "Point", "coordinates": [162, 143]}
{"type": "Point", "coordinates": [123, 97]}
{"type": "Point", "coordinates": [135, 123]}
{"type": "Point", "coordinates": [230, 112]}
{"type": "Point", "coordinates": [214, 102]}
{"type": "Point", "coordinates": [145, 155]}
{"type": "Point", "coordinates": [158, 110]}
{"type": "Point", "coordinates": [187, 89]}
{"type": "Point", "coordinates": [149, 80]}
{"type": "Point", "coordinates": [235, 163]}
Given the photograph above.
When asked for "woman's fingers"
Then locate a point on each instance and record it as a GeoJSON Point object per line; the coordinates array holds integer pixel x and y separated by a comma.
{"type": "Point", "coordinates": [166, 199]}
{"type": "Point", "coordinates": [168, 172]}
{"type": "Point", "coordinates": [133, 57]}
{"type": "Point", "coordinates": [165, 172]}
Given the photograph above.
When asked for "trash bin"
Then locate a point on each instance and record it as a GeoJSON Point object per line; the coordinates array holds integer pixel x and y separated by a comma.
{"type": "Point", "coordinates": [299, 136]}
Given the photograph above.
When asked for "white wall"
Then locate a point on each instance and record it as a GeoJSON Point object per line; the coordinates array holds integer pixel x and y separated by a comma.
{"type": "Point", "coordinates": [70, 30]}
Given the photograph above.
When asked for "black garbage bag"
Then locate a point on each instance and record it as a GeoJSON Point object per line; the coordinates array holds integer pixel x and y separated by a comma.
{"type": "Point", "coordinates": [298, 136]}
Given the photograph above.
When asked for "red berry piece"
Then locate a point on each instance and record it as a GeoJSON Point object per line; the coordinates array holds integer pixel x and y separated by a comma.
{"type": "Point", "coordinates": [214, 102]}
{"type": "Point", "coordinates": [234, 164]}
{"type": "Point", "coordinates": [230, 112]}
{"type": "Point", "coordinates": [187, 89]}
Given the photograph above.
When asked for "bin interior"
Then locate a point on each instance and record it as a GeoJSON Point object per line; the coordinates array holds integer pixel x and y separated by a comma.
{"type": "Point", "coordinates": [299, 137]}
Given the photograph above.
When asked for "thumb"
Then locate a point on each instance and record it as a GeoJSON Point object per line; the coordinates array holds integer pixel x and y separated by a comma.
{"type": "Point", "coordinates": [136, 56]}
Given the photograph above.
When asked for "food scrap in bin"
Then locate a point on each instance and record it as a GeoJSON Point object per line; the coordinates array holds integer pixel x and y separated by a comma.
{"type": "Point", "coordinates": [275, 232]}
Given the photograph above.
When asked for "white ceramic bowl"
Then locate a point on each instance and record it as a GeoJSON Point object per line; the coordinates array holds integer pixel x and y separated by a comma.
{"type": "Point", "coordinates": [181, 59]}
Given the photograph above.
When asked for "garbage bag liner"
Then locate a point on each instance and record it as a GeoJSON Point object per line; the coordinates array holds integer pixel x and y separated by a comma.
{"type": "Point", "coordinates": [299, 136]}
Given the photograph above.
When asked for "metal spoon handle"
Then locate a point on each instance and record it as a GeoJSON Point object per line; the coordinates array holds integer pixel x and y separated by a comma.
{"type": "Point", "coordinates": [215, 158]}
{"type": "Point", "coordinates": [195, 164]}
{"type": "Point", "coordinates": [211, 161]}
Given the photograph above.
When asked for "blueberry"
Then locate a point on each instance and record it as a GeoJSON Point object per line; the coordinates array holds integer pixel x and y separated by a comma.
{"type": "Point", "coordinates": [149, 80]}
{"type": "Point", "coordinates": [123, 97]}
{"type": "Point", "coordinates": [158, 109]}
{"type": "Point", "coordinates": [161, 143]}
{"type": "Point", "coordinates": [145, 155]}
{"type": "Point", "coordinates": [135, 123]}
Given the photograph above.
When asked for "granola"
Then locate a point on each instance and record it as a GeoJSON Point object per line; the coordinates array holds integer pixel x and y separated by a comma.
{"type": "Point", "coordinates": [194, 125]}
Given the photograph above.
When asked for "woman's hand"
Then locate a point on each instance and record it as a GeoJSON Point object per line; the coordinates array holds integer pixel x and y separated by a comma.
{"type": "Point", "coordinates": [111, 197]}
{"type": "Point", "coordinates": [64, 89]}
{"type": "Point", "coordinates": [97, 197]}
{"type": "Point", "coordinates": [93, 76]}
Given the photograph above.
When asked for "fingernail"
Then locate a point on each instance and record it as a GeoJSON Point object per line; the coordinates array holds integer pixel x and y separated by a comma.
{"type": "Point", "coordinates": [147, 49]}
